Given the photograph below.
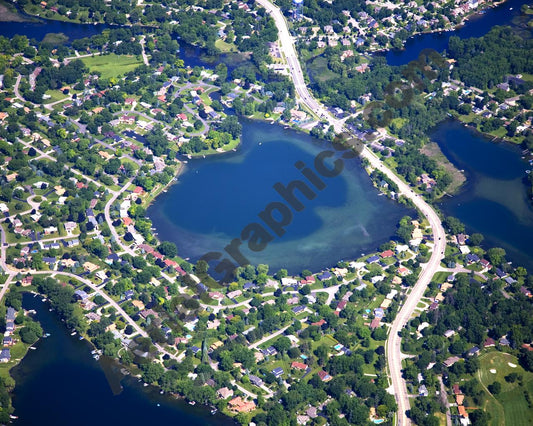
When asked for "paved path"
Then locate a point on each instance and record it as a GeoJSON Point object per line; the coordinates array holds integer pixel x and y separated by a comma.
{"type": "Point", "coordinates": [99, 291]}
{"type": "Point", "coordinates": [270, 336]}
{"type": "Point", "coordinates": [142, 42]}
{"type": "Point", "coordinates": [393, 351]}
{"type": "Point", "coordinates": [109, 221]}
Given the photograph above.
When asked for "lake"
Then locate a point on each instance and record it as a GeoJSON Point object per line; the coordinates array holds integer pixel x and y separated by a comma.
{"type": "Point", "coordinates": [494, 200]}
{"type": "Point", "coordinates": [60, 384]}
{"type": "Point", "coordinates": [192, 56]}
{"type": "Point", "coordinates": [477, 26]}
{"type": "Point", "coordinates": [217, 197]}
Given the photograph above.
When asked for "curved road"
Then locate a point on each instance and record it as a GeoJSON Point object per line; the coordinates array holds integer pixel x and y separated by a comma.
{"type": "Point", "coordinates": [393, 348]}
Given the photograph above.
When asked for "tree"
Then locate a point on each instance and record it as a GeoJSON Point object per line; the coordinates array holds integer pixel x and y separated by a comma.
{"type": "Point", "coordinates": [476, 239]}
{"type": "Point", "coordinates": [152, 372]}
{"type": "Point", "coordinates": [479, 417]}
{"type": "Point", "coordinates": [495, 388]}
{"type": "Point", "coordinates": [283, 344]}
{"type": "Point", "coordinates": [454, 225]}
{"type": "Point", "coordinates": [31, 333]}
{"type": "Point", "coordinates": [282, 273]}
{"type": "Point", "coordinates": [496, 255]}
{"type": "Point", "coordinates": [168, 248]}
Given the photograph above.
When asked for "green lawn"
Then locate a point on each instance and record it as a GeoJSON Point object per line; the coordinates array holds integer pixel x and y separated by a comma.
{"type": "Point", "coordinates": [112, 65]}
{"type": "Point", "coordinates": [225, 47]}
{"type": "Point", "coordinates": [510, 406]}
{"type": "Point", "coordinates": [440, 277]}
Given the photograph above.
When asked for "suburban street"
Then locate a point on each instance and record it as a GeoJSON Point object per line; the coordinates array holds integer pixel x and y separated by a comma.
{"type": "Point", "coordinates": [393, 347]}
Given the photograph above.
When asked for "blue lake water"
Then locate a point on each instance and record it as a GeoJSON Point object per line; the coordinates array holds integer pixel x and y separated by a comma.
{"type": "Point", "coordinates": [494, 200]}
{"type": "Point", "coordinates": [217, 197]}
{"type": "Point", "coordinates": [476, 26]}
{"type": "Point", "coordinates": [38, 30]}
{"type": "Point", "coordinates": [60, 384]}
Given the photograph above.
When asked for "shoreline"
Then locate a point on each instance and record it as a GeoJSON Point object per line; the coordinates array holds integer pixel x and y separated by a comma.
{"type": "Point", "coordinates": [454, 28]}
{"type": "Point", "coordinates": [10, 13]}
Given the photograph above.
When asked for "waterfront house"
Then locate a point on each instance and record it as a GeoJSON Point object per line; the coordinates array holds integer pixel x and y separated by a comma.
{"type": "Point", "coordinates": [238, 405]}
{"type": "Point", "coordinates": [27, 280]}
{"type": "Point", "coordinates": [324, 276]}
{"type": "Point", "coordinates": [80, 295]}
{"type": "Point", "coordinates": [5, 355]}
{"type": "Point", "coordinates": [224, 393]}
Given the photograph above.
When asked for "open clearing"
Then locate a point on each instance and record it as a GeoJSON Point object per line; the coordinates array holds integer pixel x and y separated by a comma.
{"type": "Point", "coordinates": [510, 406]}
{"type": "Point", "coordinates": [112, 65]}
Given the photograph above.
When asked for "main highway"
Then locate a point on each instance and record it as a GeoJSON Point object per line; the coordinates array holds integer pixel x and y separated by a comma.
{"type": "Point", "coordinates": [393, 346]}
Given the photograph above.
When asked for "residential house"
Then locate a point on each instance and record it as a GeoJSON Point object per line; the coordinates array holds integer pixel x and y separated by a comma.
{"type": "Point", "coordinates": [224, 393]}
{"type": "Point", "coordinates": [271, 350]}
{"type": "Point", "coordinates": [5, 355]}
{"type": "Point", "coordinates": [254, 380]}
{"type": "Point", "coordinates": [325, 377]}
{"type": "Point", "coordinates": [234, 294]}
{"type": "Point", "coordinates": [238, 405]}
{"type": "Point", "coordinates": [324, 276]}
{"type": "Point", "coordinates": [27, 280]}
{"type": "Point", "coordinates": [450, 361]}
{"type": "Point", "coordinates": [277, 372]}
{"type": "Point", "coordinates": [11, 314]}
{"type": "Point", "coordinates": [298, 309]}
{"type": "Point", "coordinates": [299, 365]}
{"type": "Point", "coordinates": [288, 281]}
{"type": "Point", "coordinates": [80, 295]}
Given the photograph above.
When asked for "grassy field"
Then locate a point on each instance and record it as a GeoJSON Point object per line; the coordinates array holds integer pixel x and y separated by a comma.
{"type": "Point", "coordinates": [510, 406]}
{"type": "Point", "coordinates": [319, 69]}
{"type": "Point", "coordinates": [112, 65]}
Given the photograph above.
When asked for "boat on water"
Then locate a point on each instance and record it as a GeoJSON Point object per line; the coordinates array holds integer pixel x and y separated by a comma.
{"type": "Point", "coordinates": [73, 333]}
{"type": "Point", "coordinates": [46, 335]}
{"type": "Point", "coordinates": [192, 402]}
{"type": "Point", "coordinates": [96, 357]}
{"type": "Point", "coordinates": [81, 338]}
{"type": "Point", "coordinates": [213, 411]}
{"type": "Point", "coordinates": [32, 348]}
